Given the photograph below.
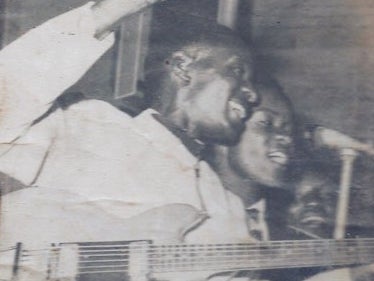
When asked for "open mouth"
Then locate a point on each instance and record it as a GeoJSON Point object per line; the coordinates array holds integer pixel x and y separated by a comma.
{"type": "Point", "coordinates": [278, 157]}
{"type": "Point", "coordinates": [313, 219]}
{"type": "Point", "coordinates": [238, 109]}
{"type": "Point", "coordinates": [313, 215]}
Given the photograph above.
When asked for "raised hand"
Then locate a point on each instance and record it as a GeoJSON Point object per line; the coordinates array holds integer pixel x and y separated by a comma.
{"type": "Point", "coordinates": [109, 12]}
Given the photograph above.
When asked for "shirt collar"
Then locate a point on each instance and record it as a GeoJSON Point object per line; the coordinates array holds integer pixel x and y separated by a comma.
{"type": "Point", "coordinates": [194, 146]}
{"type": "Point", "coordinates": [259, 206]}
{"type": "Point", "coordinates": [165, 137]}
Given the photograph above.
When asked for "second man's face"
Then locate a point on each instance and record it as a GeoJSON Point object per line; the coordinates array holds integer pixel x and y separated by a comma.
{"type": "Point", "coordinates": [266, 146]}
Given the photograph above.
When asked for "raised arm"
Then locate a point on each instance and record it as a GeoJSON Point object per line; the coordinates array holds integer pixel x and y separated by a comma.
{"type": "Point", "coordinates": [108, 13]}
{"type": "Point", "coordinates": [44, 62]}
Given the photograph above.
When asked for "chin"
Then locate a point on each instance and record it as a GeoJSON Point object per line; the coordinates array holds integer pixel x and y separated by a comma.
{"type": "Point", "coordinates": [274, 183]}
{"type": "Point", "coordinates": [276, 179]}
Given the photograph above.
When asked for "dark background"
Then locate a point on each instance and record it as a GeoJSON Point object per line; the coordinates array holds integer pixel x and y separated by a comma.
{"type": "Point", "coordinates": [322, 53]}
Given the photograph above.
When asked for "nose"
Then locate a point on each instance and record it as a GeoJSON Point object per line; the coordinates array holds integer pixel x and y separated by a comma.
{"type": "Point", "coordinates": [250, 95]}
{"type": "Point", "coordinates": [283, 139]}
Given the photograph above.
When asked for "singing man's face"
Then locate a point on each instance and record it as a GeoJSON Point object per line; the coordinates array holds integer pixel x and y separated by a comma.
{"type": "Point", "coordinates": [217, 97]}
{"type": "Point", "coordinates": [266, 146]}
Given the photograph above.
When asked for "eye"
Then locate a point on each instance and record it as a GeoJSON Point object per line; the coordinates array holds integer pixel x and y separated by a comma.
{"type": "Point", "coordinates": [238, 70]}
{"type": "Point", "coordinates": [264, 123]}
{"type": "Point", "coordinates": [287, 130]}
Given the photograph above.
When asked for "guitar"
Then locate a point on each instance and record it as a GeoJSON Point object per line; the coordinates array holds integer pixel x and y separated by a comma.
{"type": "Point", "coordinates": [149, 247]}
{"type": "Point", "coordinates": [141, 260]}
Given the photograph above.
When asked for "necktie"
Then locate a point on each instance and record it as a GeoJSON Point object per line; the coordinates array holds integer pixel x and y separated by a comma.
{"type": "Point", "coordinates": [257, 226]}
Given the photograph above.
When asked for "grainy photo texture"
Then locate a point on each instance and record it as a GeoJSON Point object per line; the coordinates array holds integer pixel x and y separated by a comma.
{"type": "Point", "coordinates": [189, 140]}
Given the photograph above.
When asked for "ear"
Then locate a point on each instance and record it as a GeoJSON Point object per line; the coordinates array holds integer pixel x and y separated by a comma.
{"type": "Point", "coordinates": [178, 65]}
{"type": "Point", "coordinates": [251, 96]}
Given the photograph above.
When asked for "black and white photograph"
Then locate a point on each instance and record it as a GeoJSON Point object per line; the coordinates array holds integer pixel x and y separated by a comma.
{"type": "Point", "coordinates": [186, 140]}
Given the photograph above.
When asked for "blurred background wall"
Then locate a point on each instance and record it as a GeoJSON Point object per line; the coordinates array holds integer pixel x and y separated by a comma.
{"type": "Point", "coordinates": [322, 52]}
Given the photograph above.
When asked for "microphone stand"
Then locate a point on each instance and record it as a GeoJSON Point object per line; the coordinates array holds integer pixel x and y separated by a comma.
{"type": "Point", "coordinates": [347, 156]}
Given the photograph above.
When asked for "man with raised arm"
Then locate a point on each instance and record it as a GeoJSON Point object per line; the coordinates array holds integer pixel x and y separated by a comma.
{"type": "Point", "coordinates": [92, 171]}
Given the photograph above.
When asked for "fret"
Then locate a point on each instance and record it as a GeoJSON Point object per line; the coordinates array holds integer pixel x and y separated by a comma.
{"type": "Point", "coordinates": [350, 252]}
{"type": "Point", "coordinates": [294, 249]}
{"type": "Point", "coordinates": [53, 260]}
{"type": "Point", "coordinates": [138, 263]}
{"type": "Point", "coordinates": [364, 253]}
{"type": "Point", "coordinates": [67, 262]}
{"type": "Point", "coordinates": [322, 252]}
{"type": "Point", "coordinates": [342, 251]}
{"type": "Point", "coordinates": [285, 252]}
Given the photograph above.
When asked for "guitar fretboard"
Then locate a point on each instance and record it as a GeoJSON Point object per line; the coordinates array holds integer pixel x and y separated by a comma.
{"type": "Point", "coordinates": [126, 256]}
{"type": "Point", "coordinates": [264, 255]}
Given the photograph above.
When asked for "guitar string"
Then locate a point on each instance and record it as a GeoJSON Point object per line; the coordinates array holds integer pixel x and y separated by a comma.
{"type": "Point", "coordinates": [305, 243]}
{"type": "Point", "coordinates": [212, 268]}
{"type": "Point", "coordinates": [7, 249]}
{"type": "Point", "coordinates": [283, 262]}
{"type": "Point", "coordinates": [352, 258]}
{"type": "Point", "coordinates": [198, 251]}
{"type": "Point", "coordinates": [244, 258]}
{"type": "Point", "coordinates": [281, 242]}
{"type": "Point", "coordinates": [191, 250]}
{"type": "Point", "coordinates": [357, 252]}
{"type": "Point", "coordinates": [219, 244]}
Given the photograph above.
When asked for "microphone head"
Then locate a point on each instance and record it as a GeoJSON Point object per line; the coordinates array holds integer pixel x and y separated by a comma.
{"type": "Point", "coordinates": [329, 138]}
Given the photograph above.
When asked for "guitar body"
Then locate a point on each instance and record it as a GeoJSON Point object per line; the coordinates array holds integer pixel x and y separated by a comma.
{"type": "Point", "coordinates": [65, 238]}
{"type": "Point", "coordinates": [40, 217]}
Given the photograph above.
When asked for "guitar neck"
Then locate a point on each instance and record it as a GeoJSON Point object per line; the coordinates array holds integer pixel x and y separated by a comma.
{"type": "Point", "coordinates": [263, 255]}
{"type": "Point", "coordinates": [130, 258]}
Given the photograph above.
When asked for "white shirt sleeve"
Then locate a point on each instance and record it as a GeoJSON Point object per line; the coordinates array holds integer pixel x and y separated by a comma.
{"type": "Point", "coordinates": [41, 64]}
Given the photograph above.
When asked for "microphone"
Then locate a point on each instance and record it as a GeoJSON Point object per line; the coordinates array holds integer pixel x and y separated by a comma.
{"type": "Point", "coordinates": [324, 137]}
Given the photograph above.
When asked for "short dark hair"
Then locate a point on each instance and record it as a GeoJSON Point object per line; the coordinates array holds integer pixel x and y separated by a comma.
{"type": "Point", "coordinates": [165, 42]}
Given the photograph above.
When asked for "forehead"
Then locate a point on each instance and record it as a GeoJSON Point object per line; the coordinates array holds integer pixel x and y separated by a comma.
{"type": "Point", "coordinates": [280, 112]}
{"type": "Point", "coordinates": [274, 103]}
{"type": "Point", "coordinates": [219, 52]}
{"type": "Point", "coordinates": [314, 182]}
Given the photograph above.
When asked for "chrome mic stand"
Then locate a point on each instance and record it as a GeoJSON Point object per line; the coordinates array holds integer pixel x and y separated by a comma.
{"type": "Point", "coordinates": [347, 156]}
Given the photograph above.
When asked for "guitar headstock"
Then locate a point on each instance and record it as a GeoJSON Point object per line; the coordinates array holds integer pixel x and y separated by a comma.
{"type": "Point", "coordinates": [7, 256]}
{"type": "Point", "coordinates": [123, 260]}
